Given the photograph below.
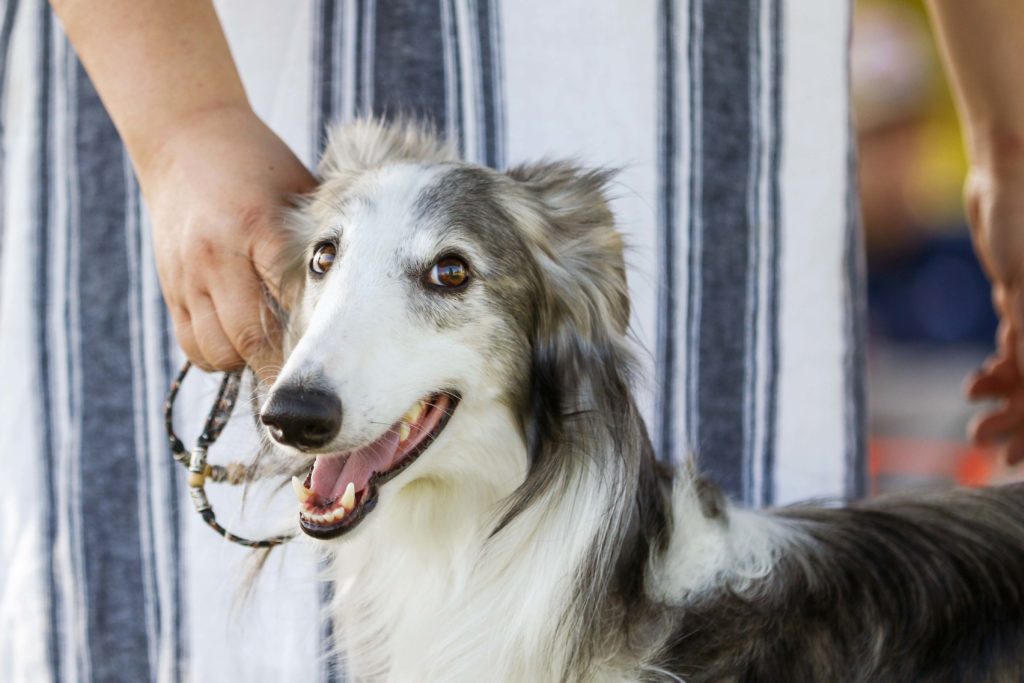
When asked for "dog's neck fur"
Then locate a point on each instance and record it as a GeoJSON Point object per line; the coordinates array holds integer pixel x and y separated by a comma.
{"type": "Point", "coordinates": [435, 594]}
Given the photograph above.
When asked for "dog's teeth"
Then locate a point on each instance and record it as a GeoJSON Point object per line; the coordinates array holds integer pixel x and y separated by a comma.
{"type": "Point", "coordinates": [337, 515]}
{"type": "Point", "coordinates": [410, 418]}
{"type": "Point", "coordinates": [348, 499]}
{"type": "Point", "coordinates": [414, 413]}
{"type": "Point", "coordinates": [301, 492]}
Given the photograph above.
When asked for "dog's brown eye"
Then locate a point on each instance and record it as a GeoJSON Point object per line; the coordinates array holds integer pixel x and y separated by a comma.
{"type": "Point", "coordinates": [323, 259]}
{"type": "Point", "coordinates": [448, 272]}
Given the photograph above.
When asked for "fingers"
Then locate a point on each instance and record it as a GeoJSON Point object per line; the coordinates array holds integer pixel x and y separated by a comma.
{"type": "Point", "coordinates": [186, 338]}
{"type": "Point", "coordinates": [1000, 374]}
{"type": "Point", "coordinates": [997, 378]}
{"type": "Point", "coordinates": [231, 329]}
{"type": "Point", "coordinates": [1000, 423]}
{"type": "Point", "coordinates": [267, 256]}
{"type": "Point", "coordinates": [215, 349]}
{"type": "Point", "coordinates": [201, 336]}
{"type": "Point", "coordinates": [248, 324]}
{"type": "Point", "coordinates": [1014, 449]}
{"type": "Point", "coordinates": [219, 305]}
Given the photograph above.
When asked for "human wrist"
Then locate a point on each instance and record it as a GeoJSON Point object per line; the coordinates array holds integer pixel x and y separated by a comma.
{"type": "Point", "coordinates": [153, 146]}
{"type": "Point", "coordinates": [997, 150]}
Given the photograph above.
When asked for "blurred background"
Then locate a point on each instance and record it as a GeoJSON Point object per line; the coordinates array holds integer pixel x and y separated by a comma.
{"type": "Point", "coordinates": [931, 320]}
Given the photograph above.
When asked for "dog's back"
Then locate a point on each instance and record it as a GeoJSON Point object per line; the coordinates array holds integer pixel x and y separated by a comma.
{"type": "Point", "coordinates": [904, 588]}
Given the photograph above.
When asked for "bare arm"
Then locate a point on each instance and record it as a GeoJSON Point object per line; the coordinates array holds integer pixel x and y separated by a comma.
{"type": "Point", "coordinates": [983, 47]}
{"type": "Point", "coordinates": [153, 62]}
{"type": "Point", "coordinates": [982, 43]}
{"type": "Point", "coordinates": [212, 173]}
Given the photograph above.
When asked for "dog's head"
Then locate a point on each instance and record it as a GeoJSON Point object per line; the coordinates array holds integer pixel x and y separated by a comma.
{"type": "Point", "coordinates": [451, 318]}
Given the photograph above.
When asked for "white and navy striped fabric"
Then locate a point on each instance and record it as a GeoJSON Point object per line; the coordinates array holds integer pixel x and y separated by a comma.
{"type": "Point", "coordinates": [730, 120]}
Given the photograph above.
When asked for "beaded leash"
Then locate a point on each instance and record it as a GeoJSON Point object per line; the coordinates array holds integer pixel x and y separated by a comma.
{"type": "Point", "coordinates": [199, 471]}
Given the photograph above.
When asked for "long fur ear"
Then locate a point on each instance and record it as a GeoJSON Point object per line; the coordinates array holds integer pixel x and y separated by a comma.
{"type": "Point", "coordinates": [580, 248]}
{"type": "Point", "coordinates": [585, 434]}
{"type": "Point", "coordinates": [581, 366]}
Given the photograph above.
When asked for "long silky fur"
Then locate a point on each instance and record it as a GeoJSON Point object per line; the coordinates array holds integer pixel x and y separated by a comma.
{"type": "Point", "coordinates": [654, 575]}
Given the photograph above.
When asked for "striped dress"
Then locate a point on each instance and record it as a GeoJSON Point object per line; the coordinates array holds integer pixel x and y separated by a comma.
{"type": "Point", "coordinates": [730, 120]}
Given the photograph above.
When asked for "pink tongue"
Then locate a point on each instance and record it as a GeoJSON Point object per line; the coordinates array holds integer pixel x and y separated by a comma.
{"type": "Point", "coordinates": [332, 474]}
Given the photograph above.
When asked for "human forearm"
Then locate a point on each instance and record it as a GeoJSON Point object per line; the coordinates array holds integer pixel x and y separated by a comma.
{"type": "Point", "coordinates": [155, 64]}
{"type": "Point", "coordinates": [213, 175]}
{"type": "Point", "coordinates": [983, 47]}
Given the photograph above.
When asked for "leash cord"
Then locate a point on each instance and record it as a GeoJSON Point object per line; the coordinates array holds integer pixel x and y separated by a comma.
{"type": "Point", "coordinates": [194, 461]}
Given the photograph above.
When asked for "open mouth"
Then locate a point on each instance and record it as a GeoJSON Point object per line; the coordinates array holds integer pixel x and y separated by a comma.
{"type": "Point", "coordinates": [342, 488]}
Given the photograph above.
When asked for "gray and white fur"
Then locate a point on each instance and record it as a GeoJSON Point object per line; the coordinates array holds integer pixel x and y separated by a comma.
{"type": "Point", "coordinates": [538, 538]}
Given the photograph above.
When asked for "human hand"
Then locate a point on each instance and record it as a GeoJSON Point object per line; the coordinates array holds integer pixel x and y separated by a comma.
{"type": "Point", "coordinates": [995, 207]}
{"type": "Point", "coordinates": [1000, 379]}
{"type": "Point", "coordinates": [214, 187]}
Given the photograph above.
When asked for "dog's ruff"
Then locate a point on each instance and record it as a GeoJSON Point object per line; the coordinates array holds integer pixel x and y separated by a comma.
{"type": "Point", "coordinates": [537, 538]}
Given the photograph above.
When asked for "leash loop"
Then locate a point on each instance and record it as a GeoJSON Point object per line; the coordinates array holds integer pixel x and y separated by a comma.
{"type": "Point", "coordinates": [194, 461]}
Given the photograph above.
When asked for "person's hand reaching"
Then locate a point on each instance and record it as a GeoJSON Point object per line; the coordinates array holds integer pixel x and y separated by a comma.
{"type": "Point", "coordinates": [215, 187]}
{"type": "Point", "coordinates": [995, 207]}
{"type": "Point", "coordinates": [1000, 379]}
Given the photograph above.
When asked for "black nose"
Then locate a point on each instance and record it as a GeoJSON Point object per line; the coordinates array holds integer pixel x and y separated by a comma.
{"type": "Point", "coordinates": [303, 418]}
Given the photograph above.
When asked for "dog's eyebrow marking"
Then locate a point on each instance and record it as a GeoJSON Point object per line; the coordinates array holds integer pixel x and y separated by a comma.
{"type": "Point", "coordinates": [460, 203]}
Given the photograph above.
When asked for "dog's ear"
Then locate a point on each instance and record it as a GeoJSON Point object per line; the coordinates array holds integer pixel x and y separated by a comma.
{"type": "Point", "coordinates": [581, 366]}
{"type": "Point", "coordinates": [577, 244]}
{"type": "Point", "coordinates": [368, 143]}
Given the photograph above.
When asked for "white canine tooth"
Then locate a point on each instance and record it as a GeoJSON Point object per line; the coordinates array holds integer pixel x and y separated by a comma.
{"type": "Point", "coordinates": [414, 413]}
{"type": "Point", "coordinates": [348, 499]}
{"type": "Point", "coordinates": [301, 492]}
{"type": "Point", "coordinates": [410, 418]}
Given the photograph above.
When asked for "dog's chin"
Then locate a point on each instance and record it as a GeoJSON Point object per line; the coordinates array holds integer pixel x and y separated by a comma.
{"type": "Point", "coordinates": [342, 489]}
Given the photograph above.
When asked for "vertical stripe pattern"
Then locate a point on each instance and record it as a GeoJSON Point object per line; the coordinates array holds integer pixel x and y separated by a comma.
{"type": "Point", "coordinates": [114, 573]}
{"type": "Point", "coordinates": [106, 613]}
{"type": "Point", "coordinates": [408, 70]}
{"type": "Point", "coordinates": [55, 620]}
{"type": "Point", "coordinates": [762, 324]}
{"type": "Point", "coordinates": [159, 483]}
{"type": "Point", "coordinates": [855, 311]}
{"type": "Point", "coordinates": [668, 158]}
{"type": "Point", "coordinates": [774, 248]}
{"type": "Point", "coordinates": [724, 264]}
{"type": "Point", "coordinates": [6, 27]}
{"type": "Point", "coordinates": [717, 322]}
{"type": "Point", "coordinates": [490, 95]}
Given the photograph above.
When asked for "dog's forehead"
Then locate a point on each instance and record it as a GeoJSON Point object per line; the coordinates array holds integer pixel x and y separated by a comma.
{"type": "Point", "coordinates": [415, 207]}
{"type": "Point", "coordinates": [383, 206]}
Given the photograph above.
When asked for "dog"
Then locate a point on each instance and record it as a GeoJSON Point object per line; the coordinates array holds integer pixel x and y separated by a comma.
{"type": "Point", "coordinates": [458, 395]}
